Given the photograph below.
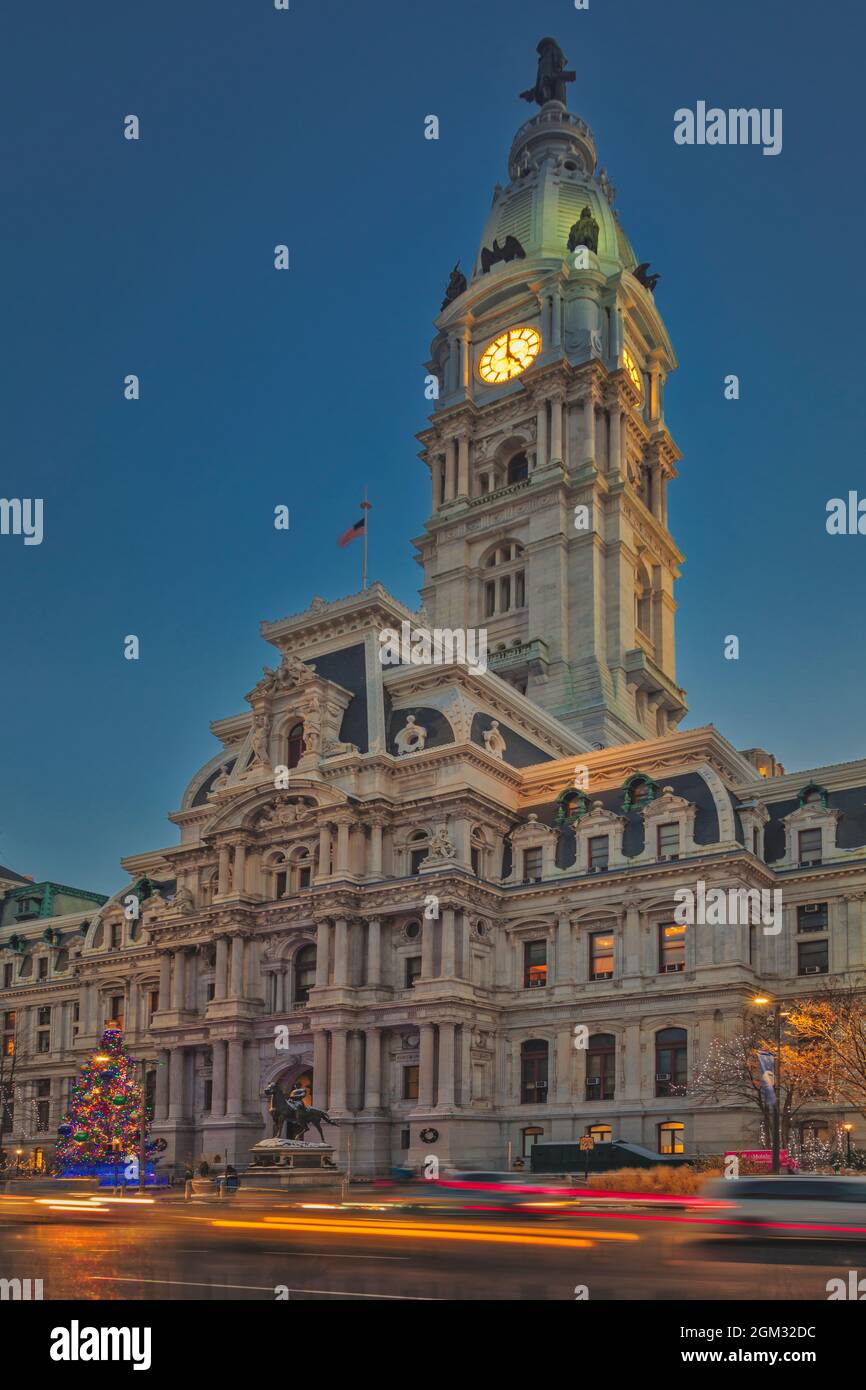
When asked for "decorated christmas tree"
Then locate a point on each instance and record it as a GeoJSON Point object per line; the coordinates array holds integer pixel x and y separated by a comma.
{"type": "Point", "coordinates": [104, 1120]}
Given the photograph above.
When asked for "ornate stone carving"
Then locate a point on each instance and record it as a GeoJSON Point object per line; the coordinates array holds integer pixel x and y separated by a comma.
{"type": "Point", "coordinates": [494, 743]}
{"type": "Point", "coordinates": [411, 738]}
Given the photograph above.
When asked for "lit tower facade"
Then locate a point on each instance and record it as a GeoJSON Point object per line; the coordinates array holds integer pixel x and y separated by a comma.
{"type": "Point", "coordinates": [548, 451]}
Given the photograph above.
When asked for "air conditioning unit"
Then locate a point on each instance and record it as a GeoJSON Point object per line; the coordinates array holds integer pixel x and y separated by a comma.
{"type": "Point", "coordinates": [604, 975]}
{"type": "Point", "coordinates": [667, 858]}
{"type": "Point", "coordinates": [663, 1076]}
{"type": "Point", "coordinates": [674, 969]}
{"type": "Point", "coordinates": [809, 863]}
{"type": "Point", "coordinates": [811, 907]}
{"type": "Point", "coordinates": [812, 970]}
{"type": "Point", "coordinates": [593, 1081]}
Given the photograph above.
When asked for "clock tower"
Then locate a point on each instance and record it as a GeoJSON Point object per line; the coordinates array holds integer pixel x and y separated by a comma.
{"type": "Point", "coordinates": [548, 451]}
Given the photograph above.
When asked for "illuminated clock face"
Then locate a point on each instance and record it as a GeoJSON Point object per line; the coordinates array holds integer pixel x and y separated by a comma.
{"type": "Point", "coordinates": [633, 371]}
{"type": "Point", "coordinates": [509, 355]}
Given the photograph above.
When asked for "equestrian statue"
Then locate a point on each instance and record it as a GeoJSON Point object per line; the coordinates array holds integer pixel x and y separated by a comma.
{"type": "Point", "coordinates": [290, 1110]}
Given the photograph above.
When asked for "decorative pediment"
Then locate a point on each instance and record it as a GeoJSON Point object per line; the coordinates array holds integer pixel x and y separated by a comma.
{"type": "Point", "coordinates": [667, 805]}
{"type": "Point", "coordinates": [532, 832]}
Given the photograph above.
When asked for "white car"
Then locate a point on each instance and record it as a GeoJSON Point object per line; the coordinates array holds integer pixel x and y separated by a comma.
{"type": "Point", "coordinates": [802, 1207]}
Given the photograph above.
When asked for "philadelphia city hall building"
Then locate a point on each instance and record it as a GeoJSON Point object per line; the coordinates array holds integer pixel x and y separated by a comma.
{"type": "Point", "coordinates": [465, 862]}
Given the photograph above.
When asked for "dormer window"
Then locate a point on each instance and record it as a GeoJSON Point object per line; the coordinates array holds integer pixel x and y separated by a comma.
{"type": "Point", "coordinates": [639, 792]}
{"type": "Point", "coordinates": [27, 908]}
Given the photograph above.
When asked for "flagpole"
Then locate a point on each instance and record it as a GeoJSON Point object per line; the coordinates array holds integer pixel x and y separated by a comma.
{"type": "Point", "coordinates": [365, 507]}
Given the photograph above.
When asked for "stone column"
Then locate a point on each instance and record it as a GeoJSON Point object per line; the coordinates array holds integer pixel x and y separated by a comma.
{"type": "Point", "coordinates": [374, 952]}
{"type": "Point", "coordinates": [320, 1069]}
{"type": "Point", "coordinates": [240, 865]}
{"type": "Point", "coordinates": [237, 968]}
{"type": "Point", "coordinates": [324, 851]}
{"type": "Point", "coordinates": [425, 1068]}
{"type": "Point", "coordinates": [164, 980]}
{"type": "Point", "coordinates": [341, 952]}
{"type": "Point", "coordinates": [555, 429]}
{"type": "Point", "coordinates": [615, 440]}
{"type": "Point", "coordinates": [235, 1099]}
{"type": "Point", "coordinates": [376, 848]}
{"type": "Point", "coordinates": [463, 466]}
{"type": "Point", "coordinates": [631, 938]}
{"type": "Point", "coordinates": [223, 870]}
{"type": "Point", "coordinates": [446, 1066]}
{"type": "Point", "coordinates": [630, 1045]}
{"type": "Point", "coordinates": [589, 426]}
{"type": "Point", "coordinates": [450, 469]}
{"type": "Point", "coordinates": [856, 953]}
{"type": "Point", "coordinates": [177, 983]}
{"type": "Point", "coordinates": [338, 1068]}
{"type": "Point", "coordinates": [218, 1099]}
{"type": "Point", "coordinates": [464, 963]}
{"type": "Point", "coordinates": [354, 1077]}
{"type": "Point", "coordinates": [191, 972]}
{"type": "Point", "coordinates": [564, 957]}
{"type": "Point", "coordinates": [160, 1108]}
{"type": "Point", "coordinates": [465, 1065]}
{"type": "Point", "coordinates": [449, 943]}
{"type": "Point", "coordinates": [343, 828]}
{"type": "Point", "coordinates": [221, 970]}
{"type": "Point", "coordinates": [564, 1053]}
{"type": "Point", "coordinates": [323, 942]}
{"type": "Point", "coordinates": [176, 1098]}
{"type": "Point", "coordinates": [373, 1070]}
{"type": "Point", "coordinates": [427, 948]}
{"type": "Point", "coordinates": [541, 431]}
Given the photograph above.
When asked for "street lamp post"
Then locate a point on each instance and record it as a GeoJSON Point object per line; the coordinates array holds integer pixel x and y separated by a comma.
{"type": "Point", "coordinates": [848, 1128]}
{"type": "Point", "coordinates": [776, 1164]}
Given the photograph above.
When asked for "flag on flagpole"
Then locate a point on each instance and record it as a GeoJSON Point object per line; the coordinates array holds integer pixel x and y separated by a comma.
{"type": "Point", "coordinates": [357, 530]}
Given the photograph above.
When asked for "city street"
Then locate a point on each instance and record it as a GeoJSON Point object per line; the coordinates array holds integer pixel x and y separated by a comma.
{"type": "Point", "coordinates": [250, 1249]}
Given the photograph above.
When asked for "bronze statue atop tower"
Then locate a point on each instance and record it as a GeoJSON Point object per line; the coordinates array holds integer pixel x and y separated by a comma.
{"type": "Point", "coordinates": [551, 77]}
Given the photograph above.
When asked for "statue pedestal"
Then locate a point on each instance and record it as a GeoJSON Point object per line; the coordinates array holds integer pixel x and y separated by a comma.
{"type": "Point", "coordinates": [287, 1163]}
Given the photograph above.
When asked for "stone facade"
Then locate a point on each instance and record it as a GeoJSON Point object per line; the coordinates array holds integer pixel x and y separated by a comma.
{"type": "Point", "coordinates": [405, 886]}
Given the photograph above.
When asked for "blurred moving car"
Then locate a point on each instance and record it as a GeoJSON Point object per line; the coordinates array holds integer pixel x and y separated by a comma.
{"type": "Point", "coordinates": [479, 1192]}
{"type": "Point", "coordinates": [802, 1207]}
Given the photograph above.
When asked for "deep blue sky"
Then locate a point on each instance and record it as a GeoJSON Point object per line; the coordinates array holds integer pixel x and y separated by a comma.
{"type": "Point", "coordinates": [258, 388]}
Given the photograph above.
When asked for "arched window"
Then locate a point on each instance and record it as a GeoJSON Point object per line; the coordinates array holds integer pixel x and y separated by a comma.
{"type": "Point", "coordinates": [295, 745]}
{"type": "Point", "coordinates": [478, 851]}
{"type": "Point", "coordinates": [601, 1067]}
{"type": "Point", "coordinates": [301, 868]}
{"type": "Point", "coordinates": [305, 973]}
{"type": "Point", "coordinates": [643, 602]}
{"type": "Point", "coordinates": [518, 468]}
{"type": "Point", "coordinates": [277, 870]}
{"type": "Point", "coordinates": [602, 1134]}
{"type": "Point", "coordinates": [533, 1072]}
{"type": "Point", "coordinates": [671, 1137]}
{"type": "Point", "coordinates": [671, 1061]}
{"type": "Point", "coordinates": [419, 848]}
